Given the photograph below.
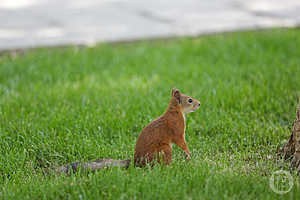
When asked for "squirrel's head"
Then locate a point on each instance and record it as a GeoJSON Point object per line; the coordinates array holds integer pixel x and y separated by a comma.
{"type": "Point", "coordinates": [186, 103]}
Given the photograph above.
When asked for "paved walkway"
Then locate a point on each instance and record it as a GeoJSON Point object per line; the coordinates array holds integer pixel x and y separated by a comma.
{"type": "Point", "coordinates": [30, 23]}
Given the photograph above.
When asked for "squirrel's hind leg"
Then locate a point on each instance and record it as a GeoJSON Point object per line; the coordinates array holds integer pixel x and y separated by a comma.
{"type": "Point", "coordinates": [165, 154]}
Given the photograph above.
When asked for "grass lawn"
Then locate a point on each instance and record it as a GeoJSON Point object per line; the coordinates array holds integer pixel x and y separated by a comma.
{"type": "Point", "coordinates": [67, 104]}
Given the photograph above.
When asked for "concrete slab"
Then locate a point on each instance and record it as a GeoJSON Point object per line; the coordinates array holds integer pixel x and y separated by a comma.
{"type": "Point", "coordinates": [31, 23]}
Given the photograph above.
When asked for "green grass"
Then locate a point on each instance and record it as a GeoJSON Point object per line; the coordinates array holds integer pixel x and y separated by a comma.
{"type": "Point", "coordinates": [68, 104]}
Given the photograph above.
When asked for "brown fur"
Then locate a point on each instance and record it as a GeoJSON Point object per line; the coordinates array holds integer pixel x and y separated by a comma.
{"type": "Point", "coordinates": [156, 138]}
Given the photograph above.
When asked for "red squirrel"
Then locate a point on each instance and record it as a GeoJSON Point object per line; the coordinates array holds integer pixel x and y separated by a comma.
{"type": "Point", "coordinates": [154, 143]}
{"type": "Point", "coordinates": [158, 136]}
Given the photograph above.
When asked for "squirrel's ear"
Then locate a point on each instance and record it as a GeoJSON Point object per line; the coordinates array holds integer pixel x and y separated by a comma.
{"type": "Point", "coordinates": [176, 94]}
{"type": "Point", "coordinates": [174, 90]}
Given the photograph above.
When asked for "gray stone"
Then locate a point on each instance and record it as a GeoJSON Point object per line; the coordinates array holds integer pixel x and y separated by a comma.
{"type": "Point", "coordinates": [31, 23]}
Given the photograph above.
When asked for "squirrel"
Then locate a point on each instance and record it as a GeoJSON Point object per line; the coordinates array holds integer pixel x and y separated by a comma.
{"type": "Point", "coordinates": [154, 143]}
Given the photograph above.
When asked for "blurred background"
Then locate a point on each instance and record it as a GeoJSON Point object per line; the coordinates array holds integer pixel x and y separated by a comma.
{"type": "Point", "coordinates": [31, 23]}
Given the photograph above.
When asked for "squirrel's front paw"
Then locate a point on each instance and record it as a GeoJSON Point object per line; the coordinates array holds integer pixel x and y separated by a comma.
{"type": "Point", "coordinates": [187, 156]}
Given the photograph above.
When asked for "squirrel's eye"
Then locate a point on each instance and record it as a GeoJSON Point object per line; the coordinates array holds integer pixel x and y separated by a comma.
{"type": "Point", "coordinates": [190, 100]}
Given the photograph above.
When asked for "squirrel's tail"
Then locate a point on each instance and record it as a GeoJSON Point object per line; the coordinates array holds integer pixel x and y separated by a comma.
{"type": "Point", "coordinates": [88, 166]}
